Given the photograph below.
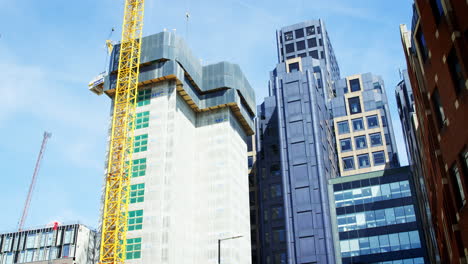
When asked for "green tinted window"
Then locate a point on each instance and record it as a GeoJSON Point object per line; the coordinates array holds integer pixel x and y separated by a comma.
{"type": "Point", "coordinates": [140, 143]}
{"type": "Point", "coordinates": [144, 97]}
{"type": "Point", "coordinates": [135, 220]}
{"type": "Point", "coordinates": [134, 248]}
{"type": "Point", "coordinates": [137, 193]}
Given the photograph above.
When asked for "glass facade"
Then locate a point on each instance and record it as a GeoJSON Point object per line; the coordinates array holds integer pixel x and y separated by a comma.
{"type": "Point", "coordinates": [380, 244]}
{"type": "Point", "coordinates": [372, 193]}
{"type": "Point", "coordinates": [376, 218]}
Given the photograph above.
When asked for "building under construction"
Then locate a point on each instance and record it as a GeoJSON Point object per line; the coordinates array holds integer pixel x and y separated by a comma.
{"type": "Point", "coordinates": [189, 193]}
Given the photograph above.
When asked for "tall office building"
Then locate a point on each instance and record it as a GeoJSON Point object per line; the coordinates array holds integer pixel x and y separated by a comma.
{"type": "Point", "coordinates": [437, 59]}
{"type": "Point", "coordinates": [410, 125]}
{"type": "Point", "coordinates": [295, 150]}
{"type": "Point", "coordinates": [189, 199]}
{"type": "Point", "coordinates": [377, 219]}
{"type": "Point", "coordinates": [363, 127]}
{"type": "Point", "coordinates": [309, 38]}
{"type": "Point", "coordinates": [64, 244]}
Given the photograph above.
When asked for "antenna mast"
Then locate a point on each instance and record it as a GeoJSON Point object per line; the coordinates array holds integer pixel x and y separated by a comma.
{"type": "Point", "coordinates": [33, 182]}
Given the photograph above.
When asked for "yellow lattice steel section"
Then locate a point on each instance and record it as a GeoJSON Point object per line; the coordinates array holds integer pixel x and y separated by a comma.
{"type": "Point", "coordinates": [114, 222]}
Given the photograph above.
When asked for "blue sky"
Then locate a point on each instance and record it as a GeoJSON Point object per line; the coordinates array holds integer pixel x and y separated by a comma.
{"type": "Point", "coordinates": [49, 50]}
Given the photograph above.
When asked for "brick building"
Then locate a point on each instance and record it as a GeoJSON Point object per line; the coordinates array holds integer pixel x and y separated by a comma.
{"type": "Point", "coordinates": [437, 57]}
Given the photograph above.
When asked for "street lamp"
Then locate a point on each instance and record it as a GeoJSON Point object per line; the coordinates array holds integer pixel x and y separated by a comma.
{"type": "Point", "coordinates": [219, 246]}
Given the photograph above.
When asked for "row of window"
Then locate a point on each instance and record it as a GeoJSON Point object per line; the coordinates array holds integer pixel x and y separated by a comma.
{"type": "Point", "coordinates": [364, 161]}
{"type": "Point", "coordinates": [36, 240]}
{"type": "Point", "coordinates": [370, 194]}
{"type": "Point", "coordinates": [301, 45]}
{"type": "Point", "coordinates": [358, 124]}
{"type": "Point", "coordinates": [376, 218]}
{"type": "Point", "coordinates": [299, 33]}
{"type": "Point", "coordinates": [403, 261]}
{"type": "Point", "coordinates": [360, 142]}
{"type": "Point", "coordinates": [40, 254]}
{"type": "Point", "coordinates": [380, 244]}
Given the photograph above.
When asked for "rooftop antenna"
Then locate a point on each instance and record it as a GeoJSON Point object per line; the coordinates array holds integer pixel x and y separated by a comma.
{"type": "Point", "coordinates": [33, 181]}
{"type": "Point", "coordinates": [187, 16]}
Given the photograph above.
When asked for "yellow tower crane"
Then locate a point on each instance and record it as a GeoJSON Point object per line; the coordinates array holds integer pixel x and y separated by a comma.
{"type": "Point", "coordinates": [114, 218]}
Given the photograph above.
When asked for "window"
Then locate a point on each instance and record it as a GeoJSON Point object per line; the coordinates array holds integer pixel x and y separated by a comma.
{"type": "Point", "coordinates": [437, 10]}
{"type": "Point", "coordinates": [142, 120]}
{"type": "Point", "coordinates": [310, 30]}
{"type": "Point", "coordinates": [302, 55]}
{"type": "Point", "coordinates": [422, 45]}
{"type": "Point", "coordinates": [348, 163]}
{"type": "Point", "coordinates": [144, 97]}
{"type": "Point", "coordinates": [319, 30]}
{"type": "Point", "coordinates": [294, 67]}
{"type": "Point", "coordinates": [134, 248]}
{"type": "Point", "coordinates": [387, 139]}
{"type": "Point", "coordinates": [312, 43]}
{"type": "Point", "coordinates": [409, 213]}
{"type": "Point", "coordinates": [355, 85]}
{"type": "Point", "coordinates": [414, 239]}
{"type": "Point", "coordinates": [277, 213]}
{"type": "Point", "coordinates": [140, 143]}
{"type": "Point", "coordinates": [322, 55]}
{"type": "Point", "coordinates": [275, 191]}
{"type": "Point", "coordinates": [135, 220]}
{"type": "Point", "coordinates": [290, 48]}
{"type": "Point", "coordinates": [279, 236]}
{"type": "Point", "coordinates": [360, 142]}
{"type": "Point", "coordinates": [299, 33]}
{"type": "Point", "coordinates": [364, 161]}
{"type": "Point", "coordinates": [139, 167]}
{"type": "Point", "coordinates": [458, 186]}
{"type": "Point", "coordinates": [375, 139]}
{"type": "Point", "coordinates": [358, 124]}
{"type": "Point", "coordinates": [320, 42]}
{"type": "Point", "coordinates": [288, 36]}
{"type": "Point", "coordinates": [439, 110]}
{"type": "Point", "coordinates": [300, 45]}
{"type": "Point", "coordinates": [456, 71]}
{"type": "Point", "coordinates": [343, 127]}
{"type": "Point", "coordinates": [379, 158]}
{"type": "Point", "coordinates": [346, 144]}
{"type": "Point", "coordinates": [137, 193]}
{"type": "Point", "coordinates": [250, 162]}
{"type": "Point", "coordinates": [314, 54]}
{"type": "Point", "coordinates": [275, 170]}
{"type": "Point", "coordinates": [372, 121]}
{"type": "Point", "coordinates": [384, 121]}
{"type": "Point", "coordinates": [354, 105]}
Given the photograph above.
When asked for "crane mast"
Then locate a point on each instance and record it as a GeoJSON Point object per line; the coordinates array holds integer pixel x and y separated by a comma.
{"type": "Point", "coordinates": [114, 220]}
{"type": "Point", "coordinates": [33, 181]}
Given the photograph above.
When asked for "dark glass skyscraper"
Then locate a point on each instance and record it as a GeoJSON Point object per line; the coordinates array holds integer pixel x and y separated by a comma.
{"type": "Point", "coordinates": [296, 149]}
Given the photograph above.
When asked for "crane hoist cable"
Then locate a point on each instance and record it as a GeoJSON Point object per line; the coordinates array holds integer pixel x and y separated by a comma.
{"type": "Point", "coordinates": [115, 212]}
